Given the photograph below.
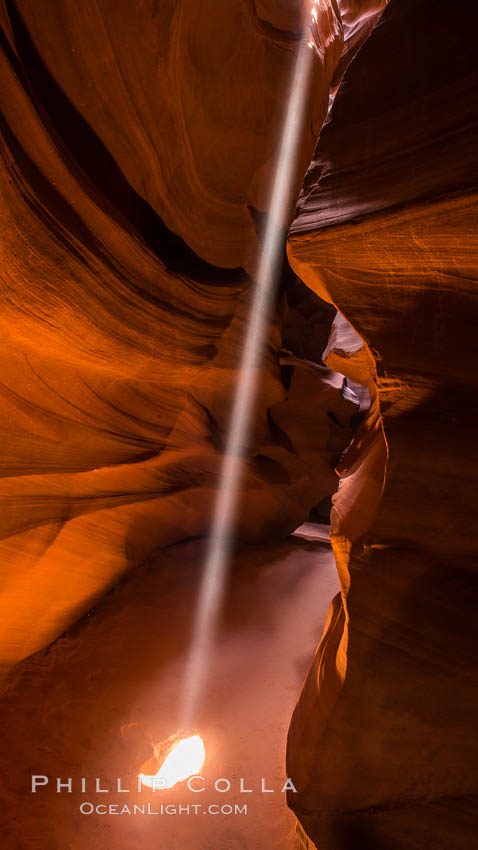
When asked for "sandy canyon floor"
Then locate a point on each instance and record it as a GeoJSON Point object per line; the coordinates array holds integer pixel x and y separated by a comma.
{"type": "Point", "coordinates": [108, 690]}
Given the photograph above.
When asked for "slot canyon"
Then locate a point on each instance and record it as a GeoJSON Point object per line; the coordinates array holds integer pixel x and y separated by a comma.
{"type": "Point", "coordinates": [140, 146]}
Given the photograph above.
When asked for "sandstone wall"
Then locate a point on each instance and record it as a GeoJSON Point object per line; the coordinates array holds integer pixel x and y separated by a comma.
{"type": "Point", "coordinates": [138, 141]}
{"type": "Point", "coordinates": [381, 740]}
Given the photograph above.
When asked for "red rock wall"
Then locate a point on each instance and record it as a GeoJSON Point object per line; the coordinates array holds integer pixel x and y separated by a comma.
{"type": "Point", "coordinates": [137, 148]}
{"type": "Point", "coordinates": [381, 742]}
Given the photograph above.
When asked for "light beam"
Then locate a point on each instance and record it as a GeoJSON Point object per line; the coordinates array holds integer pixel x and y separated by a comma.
{"type": "Point", "coordinates": [185, 759]}
{"type": "Point", "coordinates": [225, 509]}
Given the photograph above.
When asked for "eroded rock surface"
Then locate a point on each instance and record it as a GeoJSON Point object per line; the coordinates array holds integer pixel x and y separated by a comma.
{"type": "Point", "coordinates": [381, 741]}
{"type": "Point", "coordinates": [138, 145]}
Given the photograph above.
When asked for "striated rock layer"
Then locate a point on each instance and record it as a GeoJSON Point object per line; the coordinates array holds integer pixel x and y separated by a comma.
{"type": "Point", "coordinates": [381, 743]}
{"type": "Point", "coordinates": [138, 142]}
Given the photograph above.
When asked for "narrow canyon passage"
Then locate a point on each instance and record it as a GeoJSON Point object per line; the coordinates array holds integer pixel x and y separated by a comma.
{"type": "Point", "coordinates": [93, 704]}
{"type": "Point", "coordinates": [141, 147]}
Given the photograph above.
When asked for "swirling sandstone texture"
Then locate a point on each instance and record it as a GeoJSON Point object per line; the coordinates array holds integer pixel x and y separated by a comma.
{"type": "Point", "coordinates": [382, 742]}
{"type": "Point", "coordinates": [138, 142]}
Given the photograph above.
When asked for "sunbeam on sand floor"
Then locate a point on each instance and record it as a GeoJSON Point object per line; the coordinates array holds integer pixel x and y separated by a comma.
{"type": "Point", "coordinates": [104, 697]}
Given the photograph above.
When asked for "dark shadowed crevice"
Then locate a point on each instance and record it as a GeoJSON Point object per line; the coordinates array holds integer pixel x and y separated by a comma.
{"type": "Point", "coordinates": [267, 29]}
{"type": "Point", "coordinates": [84, 153]}
{"type": "Point", "coordinates": [61, 220]}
